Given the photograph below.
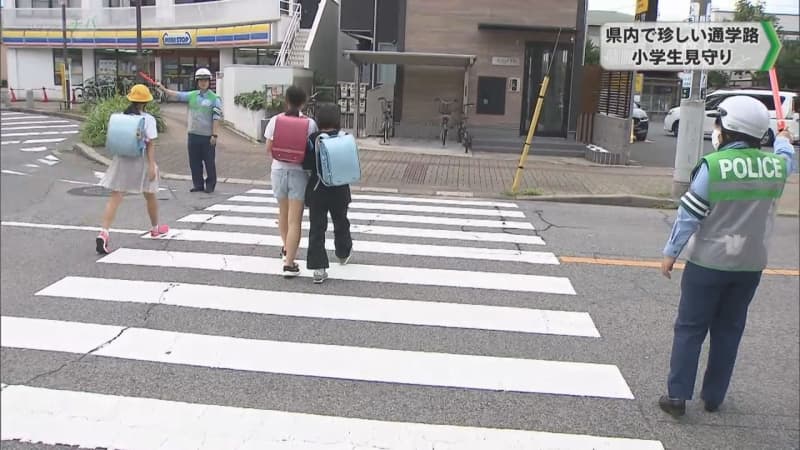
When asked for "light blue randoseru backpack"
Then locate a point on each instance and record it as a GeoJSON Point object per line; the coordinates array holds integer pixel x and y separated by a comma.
{"type": "Point", "coordinates": [125, 136]}
{"type": "Point", "coordinates": [337, 159]}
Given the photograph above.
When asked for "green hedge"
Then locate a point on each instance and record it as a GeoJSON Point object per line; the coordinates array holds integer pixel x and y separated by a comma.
{"type": "Point", "coordinates": [95, 127]}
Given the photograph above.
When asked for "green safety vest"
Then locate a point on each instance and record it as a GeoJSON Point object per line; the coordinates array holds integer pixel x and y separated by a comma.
{"type": "Point", "coordinates": [744, 186]}
{"type": "Point", "coordinates": [201, 112]}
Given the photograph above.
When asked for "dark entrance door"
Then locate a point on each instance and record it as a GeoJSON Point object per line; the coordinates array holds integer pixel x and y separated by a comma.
{"type": "Point", "coordinates": [555, 110]}
{"type": "Point", "coordinates": [309, 12]}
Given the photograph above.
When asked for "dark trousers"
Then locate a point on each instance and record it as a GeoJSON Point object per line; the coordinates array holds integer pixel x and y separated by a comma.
{"type": "Point", "coordinates": [201, 152]}
{"type": "Point", "coordinates": [715, 302]}
{"type": "Point", "coordinates": [317, 256]}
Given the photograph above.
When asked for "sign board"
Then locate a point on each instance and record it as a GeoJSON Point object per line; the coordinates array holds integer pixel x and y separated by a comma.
{"type": "Point", "coordinates": [679, 46]}
{"type": "Point", "coordinates": [638, 84]}
{"type": "Point", "coordinates": [176, 38]}
{"type": "Point", "coordinates": [641, 6]}
{"type": "Point", "coordinates": [505, 61]}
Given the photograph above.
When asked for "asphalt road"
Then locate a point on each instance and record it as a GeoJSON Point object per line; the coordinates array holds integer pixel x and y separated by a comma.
{"type": "Point", "coordinates": [124, 350]}
{"type": "Point", "coordinates": [28, 141]}
{"type": "Point", "coordinates": [658, 150]}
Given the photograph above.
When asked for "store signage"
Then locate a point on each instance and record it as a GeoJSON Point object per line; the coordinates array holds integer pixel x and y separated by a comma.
{"type": "Point", "coordinates": [176, 39]}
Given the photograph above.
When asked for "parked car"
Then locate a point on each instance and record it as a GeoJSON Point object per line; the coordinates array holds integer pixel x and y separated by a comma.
{"type": "Point", "coordinates": [641, 123]}
{"type": "Point", "coordinates": [790, 104]}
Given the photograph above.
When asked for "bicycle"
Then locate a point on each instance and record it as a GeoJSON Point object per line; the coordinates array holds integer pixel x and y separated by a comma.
{"type": "Point", "coordinates": [444, 110]}
{"type": "Point", "coordinates": [388, 123]}
{"type": "Point", "coordinates": [464, 136]}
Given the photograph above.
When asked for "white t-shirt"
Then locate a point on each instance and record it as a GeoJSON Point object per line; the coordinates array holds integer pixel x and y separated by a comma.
{"type": "Point", "coordinates": [150, 127]}
{"type": "Point", "coordinates": [269, 132]}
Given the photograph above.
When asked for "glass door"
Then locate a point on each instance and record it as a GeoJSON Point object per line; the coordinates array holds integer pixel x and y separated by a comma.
{"type": "Point", "coordinates": [555, 109]}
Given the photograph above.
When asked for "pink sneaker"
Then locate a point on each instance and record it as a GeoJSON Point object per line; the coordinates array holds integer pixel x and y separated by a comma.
{"type": "Point", "coordinates": [101, 243]}
{"type": "Point", "coordinates": [159, 231]}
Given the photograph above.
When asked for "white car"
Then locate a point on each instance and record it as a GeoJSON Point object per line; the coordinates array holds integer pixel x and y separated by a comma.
{"type": "Point", "coordinates": [791, 112]}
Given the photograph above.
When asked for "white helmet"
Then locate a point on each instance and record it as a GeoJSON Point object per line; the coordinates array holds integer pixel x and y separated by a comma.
{"type": "Point", "coordinates": [202, 74]}
{"type": "Point", "coordinates": [745, 115]}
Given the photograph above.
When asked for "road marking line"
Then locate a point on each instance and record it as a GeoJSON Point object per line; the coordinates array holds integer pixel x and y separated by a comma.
{"type": "Point", "coordinates": [378, 189]}
{"type": "Point", "coordinates": [318, 360]}
{"type": "Point", "coordinates": [90, 420]}
{"type": "Point", "coordinates": [41, 126]}
{"type": "Point", "coordinates": [47, 161]}
{"type": "Point", "coordinates": [653, 264]}
{"type": "Point", "coordinates": [78, 182]}
{"type": "Point", "coordinates": [9, 142]}
{"type": "Point", "coordinates": [49, 226]}
{"type": "Point", "coordinates": [23, 117]}
{"type": "Point", "coordinates": [52, 158]}
{"type": "Point", "coordinates": [400, 207]}
{"type": "Point", "coordinates": [14, 172]}
{"type": "Point", "coordinates": [33, 166]}
{"type": "Point", "coordinates": [373, 229]}
{"type": "Point", "coordinates": [354, 215]}
{"type": "Point", "coordinates": [390, 248]}
{"type": "Point", "coordinates": [35, 122]}
{"type": "Point", "coordinates": [392, 198]}
{"type": "Point", "coordinates": [44, 133]}
{"type": "Point", "coordinates": [33, 149]}
{"type": "Point", "coordinates": [11, 113]}
{"type": "Point", "coordinates": [44, 141]}
{"type": "Point", "coordinates": [338, 307]}
{"type": "Point", "coordinates": [351, 272]}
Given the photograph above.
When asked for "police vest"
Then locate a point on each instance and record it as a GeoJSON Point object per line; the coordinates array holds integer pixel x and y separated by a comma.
{"type": "Point", "coordinates": [201, 113]}
{"type": "Point", "coordinates": [744, 186]}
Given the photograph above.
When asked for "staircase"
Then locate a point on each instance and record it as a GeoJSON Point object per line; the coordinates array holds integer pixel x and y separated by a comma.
{"type": "Point", "coordinates": [297, 53]}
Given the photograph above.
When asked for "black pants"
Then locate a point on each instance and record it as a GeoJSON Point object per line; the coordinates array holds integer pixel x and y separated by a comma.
{"type": "Point", "coordinates": [202, 152]}
{"type": "Point", "coordinates": [319, 207]}
{"type": "Point", "coordinates": [715, 302]}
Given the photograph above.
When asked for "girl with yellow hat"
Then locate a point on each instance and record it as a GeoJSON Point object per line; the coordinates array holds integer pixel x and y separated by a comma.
{"type": "Point", "coordinates": [138, 175]}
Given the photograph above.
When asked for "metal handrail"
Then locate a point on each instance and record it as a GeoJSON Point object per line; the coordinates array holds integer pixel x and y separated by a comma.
{"type": "Point", "coordinates": [288, 39]}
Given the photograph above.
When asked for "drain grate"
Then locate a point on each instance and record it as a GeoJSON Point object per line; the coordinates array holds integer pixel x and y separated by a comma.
{"type": "Point", "coordinates": [415, 173]}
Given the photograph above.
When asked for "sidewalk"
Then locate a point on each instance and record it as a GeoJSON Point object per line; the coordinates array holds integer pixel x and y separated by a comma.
{"type": "Point", "coordinates": [426, 172]}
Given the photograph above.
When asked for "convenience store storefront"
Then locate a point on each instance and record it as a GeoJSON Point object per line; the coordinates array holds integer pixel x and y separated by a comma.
{"type": "Point", "coordinates": [171, 56]}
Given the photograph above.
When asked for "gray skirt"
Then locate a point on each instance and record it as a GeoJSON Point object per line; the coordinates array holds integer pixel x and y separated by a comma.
{"type": "Point", "coordinates": [129, 175]}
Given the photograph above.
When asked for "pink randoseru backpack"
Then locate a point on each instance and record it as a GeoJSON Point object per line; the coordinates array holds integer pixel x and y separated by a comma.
{"type": "Point", "coordinates": [290, 138]}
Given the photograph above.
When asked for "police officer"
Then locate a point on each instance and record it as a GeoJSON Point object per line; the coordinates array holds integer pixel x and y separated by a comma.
{"type": "Point", "coordinates": [726, 216]}
{"type": "Point", "coordinates": [205, 112]}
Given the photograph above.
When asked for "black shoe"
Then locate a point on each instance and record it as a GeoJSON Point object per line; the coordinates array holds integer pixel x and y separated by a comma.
{"type": "Point", "coordinates": [291, 271]}
{"type": "Point", "coordinates": [196, 189]}
{"type": "Point", "coordinates": [209, 190]}
{"type": "Point", "coordinates": [710, 407]}
{"type": "Point", "coordinates": [672, 406]}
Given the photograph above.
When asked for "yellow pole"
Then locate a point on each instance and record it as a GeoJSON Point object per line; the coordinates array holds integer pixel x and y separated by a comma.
{"type": "Point", "coordinates": [534, 122]}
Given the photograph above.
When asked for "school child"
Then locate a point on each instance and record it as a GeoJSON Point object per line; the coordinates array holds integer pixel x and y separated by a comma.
{"type": "Point", "coordinates": [286, 135]}
{"type": "Point", "coordinates": [322, 199]}
{"type": "Point", "coordinates": [133, 174]}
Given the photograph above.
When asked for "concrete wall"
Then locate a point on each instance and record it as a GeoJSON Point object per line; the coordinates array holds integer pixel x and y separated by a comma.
{"type": "Point", "coordinates": [345, 69]}
{"type": "Point", "coordinates": [88, 64]}
{"type": "Point", "coordinates": [451, 26]}
{"type": "Point", "coordinates": [323, 43]}
{"type": "Point", "coordinates": [32, 68]}
{"type": "Point", "coordinates": [613, 134]}
{"type": "Point", "coordinates": [239, 78]}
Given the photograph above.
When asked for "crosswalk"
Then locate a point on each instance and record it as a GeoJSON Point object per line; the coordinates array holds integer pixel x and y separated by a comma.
{"type": "Point", "coordinates": [33, 135]}
{"type": "Point", "coordinates": [436, 263]}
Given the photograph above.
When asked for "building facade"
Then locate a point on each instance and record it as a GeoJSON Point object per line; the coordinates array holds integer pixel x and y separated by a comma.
{"type": "Point", "coordinates": [515, 44]}
{"type": "Point", "coordinates": [178, 37]}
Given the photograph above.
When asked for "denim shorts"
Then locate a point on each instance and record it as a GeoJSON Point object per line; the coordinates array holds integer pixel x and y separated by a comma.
{"type": "Point", "coordinates": [289, 183]}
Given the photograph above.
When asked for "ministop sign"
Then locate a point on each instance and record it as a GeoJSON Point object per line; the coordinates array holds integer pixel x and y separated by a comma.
{"type": "Point", "coordinates": [679, 46]}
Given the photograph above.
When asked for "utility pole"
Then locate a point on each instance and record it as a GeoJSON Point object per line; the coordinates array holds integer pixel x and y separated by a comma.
{"type": "Point", "coordinates": [690, 126]}
{"type": "Point", "coordinates": [139, 41]}
{"type": "Point", "coordinates": [65, 78]}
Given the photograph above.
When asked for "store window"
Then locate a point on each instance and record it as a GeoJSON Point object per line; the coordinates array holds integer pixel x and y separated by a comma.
{"type": "Point", "coordinates": [126, 3]}
{"type": "Point", "coordinates": [178, 68]}
{"type": "Point", "coordinates": [113, 64]}
{"type": "Point", "coordinates": [76, 68]}
{"type": "Point", "coordinates": [254, 56]}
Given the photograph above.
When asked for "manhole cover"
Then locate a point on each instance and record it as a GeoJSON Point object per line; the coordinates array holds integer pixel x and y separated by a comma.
{"type": "Point", "coordinates": [100, 191]}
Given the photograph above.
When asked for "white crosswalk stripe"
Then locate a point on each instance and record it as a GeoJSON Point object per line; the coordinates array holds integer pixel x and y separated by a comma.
{"type": "Point", "coordinates": [454, 262]}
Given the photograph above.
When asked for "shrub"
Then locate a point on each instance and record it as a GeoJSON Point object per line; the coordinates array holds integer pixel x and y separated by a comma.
{"type": "Point", "coordinates": [254, 101]}
{"type": "Point", "coordinates": [95, 127]}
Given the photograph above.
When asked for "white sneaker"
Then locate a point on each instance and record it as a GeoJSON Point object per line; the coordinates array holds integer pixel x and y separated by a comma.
{"type": "Point", "coordinates": [344, 261]}
{"type": "Point", "coordinates": [320, 275]}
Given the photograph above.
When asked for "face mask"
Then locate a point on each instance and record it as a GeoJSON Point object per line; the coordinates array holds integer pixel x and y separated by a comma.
{"type": "Point", "coordinates": [716, 136]}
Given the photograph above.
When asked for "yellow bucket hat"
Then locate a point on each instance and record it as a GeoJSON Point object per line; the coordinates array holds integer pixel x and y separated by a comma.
{"type": "Point", "coordinates": [140, 94]}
